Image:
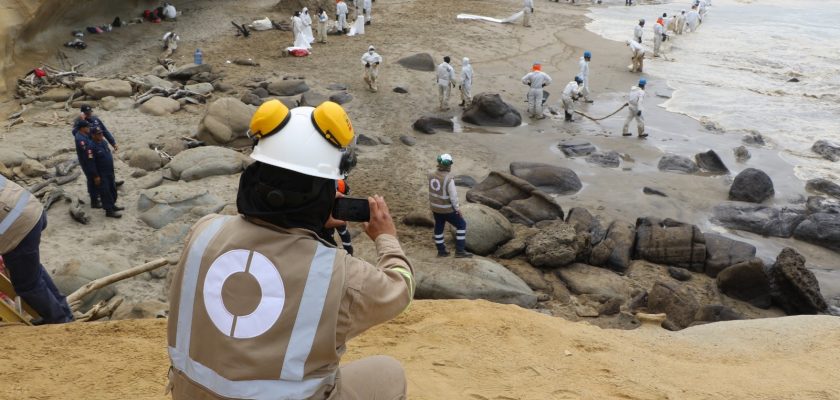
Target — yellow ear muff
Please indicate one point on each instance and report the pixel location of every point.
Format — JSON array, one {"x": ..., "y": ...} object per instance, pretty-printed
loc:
[
  {"x": 269, "y": 118},
  {"x": 332, "y": 122}
]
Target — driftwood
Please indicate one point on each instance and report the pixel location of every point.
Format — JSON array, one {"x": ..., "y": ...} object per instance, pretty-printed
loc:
[
  {"x": 55, "y": 195},
  {"x": 75, "y": 298},
  {"x": 246, "y": 61},
  {"x": 241, "y": 29},
  {"x": 65, "y": 167},
  {"x": 38, "y": 186},
  {"x": 174, "y": 93},
  {"x": 101, "y": 310},
  {"x": 77, "y": 212},
  {"x": 63, "y": 180}
]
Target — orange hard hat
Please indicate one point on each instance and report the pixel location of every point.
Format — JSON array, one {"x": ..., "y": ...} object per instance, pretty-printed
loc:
[
  {"x": 536, "y": 67},
  {"x": 341, "y": 186}
]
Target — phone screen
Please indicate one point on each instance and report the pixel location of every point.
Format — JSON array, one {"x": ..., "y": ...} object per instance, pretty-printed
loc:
[{"x": 351, "y": 209}]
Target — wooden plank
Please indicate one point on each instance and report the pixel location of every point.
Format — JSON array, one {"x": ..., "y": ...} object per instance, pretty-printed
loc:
[
  {"x": 7, "y": 288},
  {"x": 8, "y": 314}
]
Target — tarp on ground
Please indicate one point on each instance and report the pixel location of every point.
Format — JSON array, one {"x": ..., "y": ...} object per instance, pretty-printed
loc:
[{"x": 507, "y": 20}]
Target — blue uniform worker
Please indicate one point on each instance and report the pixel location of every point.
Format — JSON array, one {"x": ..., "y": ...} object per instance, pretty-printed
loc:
[
  {"x": 103, "y": 164},
  {"x": 95, "y": 124},
  {"x": 84, "y": 151}
]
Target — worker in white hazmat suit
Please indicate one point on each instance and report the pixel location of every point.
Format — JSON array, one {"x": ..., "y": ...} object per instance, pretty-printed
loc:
[
  {"x": 680, "y": 23},
  {"x": 570, "y": 94},
  {"x": 341, "y": 15},
  {"x": 445, "y": 79},
  {"x": 368, "y": 4},
  {"x": 307, "y": 25},
  {"x": 322, "y": 25},
  {"x": 466, "y": 83},
  {"x": 638, "y": 31},
  {"x": 634, "y": 100},
  {"x": 528, "y": 9},
  {"x": 692, "y": 19},
  {"x": 536, "y": 81},
  {"x": 583, "y": 73},
  {"x": 371, "y": 60},
  {"x": 658, "y": 36},
  {"x": 297, "y": 30},
  {"x": 637, "y": 56}
]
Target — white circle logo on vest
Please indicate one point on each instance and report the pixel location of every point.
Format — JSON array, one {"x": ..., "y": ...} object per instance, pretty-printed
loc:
[
  {"x": 434, "y": 183},
  {"x": 271, "y": 285}
]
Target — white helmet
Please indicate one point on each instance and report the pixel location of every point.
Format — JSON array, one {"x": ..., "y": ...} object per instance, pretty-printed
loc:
[{"x": 299, "y": 145}]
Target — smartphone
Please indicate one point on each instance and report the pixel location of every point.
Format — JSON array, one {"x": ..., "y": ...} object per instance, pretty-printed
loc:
[{"x": 351, "y": 209}]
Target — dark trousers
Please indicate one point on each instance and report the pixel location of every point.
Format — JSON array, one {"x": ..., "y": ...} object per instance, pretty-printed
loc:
[
  {"x": 93, "y": 190},
  {"x": 460, "y": 225},
  {"x": 108, "y": 191},
  {"x": 32, "y": 282}
]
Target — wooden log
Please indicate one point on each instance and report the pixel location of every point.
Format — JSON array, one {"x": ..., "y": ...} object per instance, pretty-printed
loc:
[
  {"x": 107, "y": 280},
  {"x": 63, "y": 180}
]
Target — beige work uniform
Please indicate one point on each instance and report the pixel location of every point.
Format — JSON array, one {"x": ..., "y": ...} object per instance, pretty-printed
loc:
[
  {"x": 262, "y": 312},
  {"x": 19, "y": 212},
  {"x": 439, "y": 199}
]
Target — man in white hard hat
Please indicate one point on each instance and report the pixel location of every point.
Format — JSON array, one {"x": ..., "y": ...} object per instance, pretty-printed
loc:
[{"x": 260, "y": 306}]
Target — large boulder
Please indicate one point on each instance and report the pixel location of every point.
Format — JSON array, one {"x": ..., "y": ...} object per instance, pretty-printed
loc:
[
  {"x": 488, "y": 109},
  {"x": 828, "y": 150},
  {"x": 798, "y": 291},
  {"x": 676, "y": 163},
  {"x": 751, "y": 185},
  {"x": 226, "y": 122},
  {"x": 670, "y": 242},
  {"x": 58, "y": 94},
  {"x": 711, "y": 162},
  {"x": 822, "y": 229},
  {"x": 203, "y": 88},
  {"x": 554, "y": 246},
  {"x": 721, "y": 252},
  {"x": 162, "y": 205},
  {"x": 155, "y": 81},
  {"x": 145, "y": 159},
  {"x": 108, "y": 87},
  {"x": 202, "y": 162},
  {"x": 160, "y": 106},
  {"x": 430, "y": 125},
  {"x": 71, "y": 276},
  {"x": 615, "y": 251},
  {"x": 548, "y": 178},
  {"x": 11, "y": 157},
  {"x": 476, "y": 278},
  {"x": 586, "y": 279},
  {"x": 287, "y": 87},
  {"x": 675, "y": 301},
  {"x": 418, "y": 62},
  {"x": 515, "y": 198},
  {"x": 823, "y": 186},
  {"x": 486, "y": 228},
  {"x": 755, "y": 218},
  {"x": 186, "y": 71},
  {"x": 746, "y": 281}
]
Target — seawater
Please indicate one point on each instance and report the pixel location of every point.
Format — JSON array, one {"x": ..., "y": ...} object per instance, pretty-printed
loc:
[{"x": 734, "y": 70}]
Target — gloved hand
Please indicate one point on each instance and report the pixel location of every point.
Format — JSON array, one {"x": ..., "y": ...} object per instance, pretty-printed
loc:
[
  {"x": 367, "y": 65},
  {"x": 376, "y": 63},
  {"x": 532, "y": 10},
  {"x": 639, "y": 113}
]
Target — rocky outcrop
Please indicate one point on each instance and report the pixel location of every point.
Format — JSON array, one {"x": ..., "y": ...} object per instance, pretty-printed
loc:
[
  {"x": 515, "y": 198},
  {"x": 615, "y": 251},
  {"x": 676, "y": 163},
  {"x": 711, "y": 162},
  {"x": 554, "y": 246},
  {"x": 676, "y": 302},
  {"x": 755, "y": 218},
  {"x": 824, "y": 186},
  {"x": 430, "y": 125},
  {"x": 418, "y": 62},
  {"x": 202, "y": 162},
  {"x": 798, "y": 289},
  {"x": 477, "y": 278},
  {"x": 751, "y": 185},
  {"x": 548, "y": 178},
  {"x": 828, "y": 150},
  {"x": 162, "y": 205},
  {"x": 722, "y": 252},
  {"x": 486, "y": 228},
  {"x": 670, "y": 242},
  {"x": 746, "y": 281},
  {"x": 226, "y": 122},
  {"x": 822, "y": 229},
  {"x": 488, "y": 109}
]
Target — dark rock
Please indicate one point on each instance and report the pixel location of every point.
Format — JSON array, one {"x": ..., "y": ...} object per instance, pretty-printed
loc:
[
  {"x": 823, "y": 186},
  {"x": 716, "y": 313},
  {"x": 576, "y": 147},
  {"x": 679, "y": 274},
  {"x": 822, "y": 229},
  {"x": 828, "y": 150},
  {"x": 746, "y": 281},
  {"x": 554, "y": 246},
  {"x": 742, "y": 154},
  {"x": 418, "y": 62},
  {"x": 428, "y": 125},
  {"x": 223, "y": 87},
  {"x": 819, "y": 204},
  {"x": 654, "y": 192},
  {"x": 385, "y": 140},
  {"x": 763, "y": 220},
  {"x": 610, "y": 307},
  {"x": 341, "y": 98},
  {"x": 614, "y": 252},
  {"x": 675, "y": 163},
  {"x": 548, "y": 178},
  {"x": 289, "y": 87},
  {"x": 289, "y": 102},
  {"x": 336, "y": 86},
  {"x": 585, "y": 222},
  {"x": 798, "y": 289},
  {"x": 538, "y": 207},
  {"x": 261, "y": 92},
  {"x": 794, "y": 80},
  {"x": 251, "y": 99},
  {"x": 400, "y": 89},
  {"x": 418, "y": 218},
  {"x": 488, "y": 109},
  {"x": 465, "y": 181},
  {"x": 364, "y": 140},
  {"x": 476, "y": 278},
  {"x": 751, "y": 185},
  {"x": 517, "y": 199},
  {"x": 408, "y": 140},
  {"x": 721, "y": 252},
  {"x": 754, "y": 139},
  {"x": 204, "y": 77},
  {"x": 610, "y": 159},
  {"x": 675, "y": 301},
  {"x": 711, "y": 162},
  {"x": 311, "y": 99},
  {"x": 672, "y": 243},
  {"x": 187, "y": 71}
]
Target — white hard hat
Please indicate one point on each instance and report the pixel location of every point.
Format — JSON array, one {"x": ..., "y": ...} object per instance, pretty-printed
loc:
[{"x": 299, "y": 147}]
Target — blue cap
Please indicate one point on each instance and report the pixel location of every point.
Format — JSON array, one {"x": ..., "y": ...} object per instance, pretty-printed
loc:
[
  {"x": 587, "y": 54},
  {"x": 642, "y": 82}
]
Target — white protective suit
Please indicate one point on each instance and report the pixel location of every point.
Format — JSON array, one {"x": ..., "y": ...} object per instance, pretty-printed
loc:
[
  {"x": 322, "y": 27},
  {"x": 368, "y": 4},
  {"x": 371, "y": 61},
  {"x": 466, "y": 82},
  {"x": 658, "y": 31},
  {"x": 584, "y": 74},
  {"x": 702, "y": 10},
  {"x": 536, "y": 80},
  {"x": 637, "y": 33},
  {"x": 528, "y": 9},
  {"x": 169, "y": 12},
  {"x": 297, "y": 30},
  {"x": 307, "y": 25},
  {"x": 680, "y": 23},
  {"x": 634, "y": 99},
  {"x": 692, "y": 19},
  {"x": 341, "y": 14},
  {"x": 571, "y": 92},
  {"x": 637, "y": 57},
  {"x": 445, "y": 79}
]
